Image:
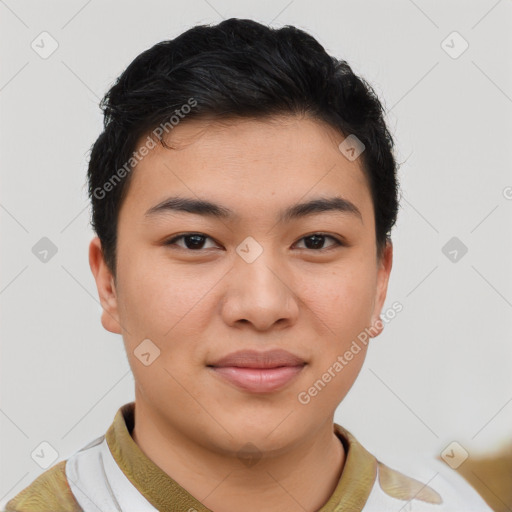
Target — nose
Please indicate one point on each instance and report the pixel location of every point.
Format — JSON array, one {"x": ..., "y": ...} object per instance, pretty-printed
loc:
[{"x": 260, "y": 293}]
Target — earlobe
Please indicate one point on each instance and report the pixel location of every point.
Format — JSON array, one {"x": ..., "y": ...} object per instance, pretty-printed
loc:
[
  {"x": 376, "y": 328},
  {"x": 106, "y": 288}
]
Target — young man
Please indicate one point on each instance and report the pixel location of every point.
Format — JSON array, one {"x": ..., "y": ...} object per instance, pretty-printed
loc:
[{"x": 243, "y": 192}]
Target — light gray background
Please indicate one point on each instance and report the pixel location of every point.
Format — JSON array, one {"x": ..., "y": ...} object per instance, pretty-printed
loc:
[{"x": 441, "y": 370}]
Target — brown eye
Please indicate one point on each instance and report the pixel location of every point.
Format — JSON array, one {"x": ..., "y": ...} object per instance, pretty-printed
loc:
[
  {"x": 316, "y": 241},
  {"x": 196, "y": 242},
  {"x": 192, "y": 241}
]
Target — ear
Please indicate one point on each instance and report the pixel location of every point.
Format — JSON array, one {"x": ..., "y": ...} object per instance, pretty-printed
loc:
[
  {"x": 385, "y": 263},
  {"x": 106, "y": 287}
]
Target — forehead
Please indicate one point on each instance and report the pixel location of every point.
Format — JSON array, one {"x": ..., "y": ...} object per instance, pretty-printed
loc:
[{"x": 248, "y": 164}]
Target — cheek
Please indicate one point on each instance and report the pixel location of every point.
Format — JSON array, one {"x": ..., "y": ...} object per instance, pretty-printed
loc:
[
  {"x": 342, "y": 309},
  {"x": 342, "y": 301},
  {"x": 162, "y": 300},
  {"x": 162, "y": 304}
]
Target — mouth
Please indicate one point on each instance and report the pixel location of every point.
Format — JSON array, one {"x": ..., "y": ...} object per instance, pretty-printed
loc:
[
  {"x": 258, "y": 380},
  {"x": 258, "y": 372}
]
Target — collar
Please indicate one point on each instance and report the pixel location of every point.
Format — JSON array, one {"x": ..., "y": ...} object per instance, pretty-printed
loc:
[{"x": 351, "y": 493}]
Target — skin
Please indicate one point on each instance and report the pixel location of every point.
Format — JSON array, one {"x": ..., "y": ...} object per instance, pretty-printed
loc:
[{"x": 198, "y": 305}]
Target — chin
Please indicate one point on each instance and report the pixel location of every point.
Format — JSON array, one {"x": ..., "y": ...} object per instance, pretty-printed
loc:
[{"x": 270, "y": 434}]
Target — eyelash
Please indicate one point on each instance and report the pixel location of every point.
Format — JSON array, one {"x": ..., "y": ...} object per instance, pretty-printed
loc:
[{"x": 172, "y": 241}]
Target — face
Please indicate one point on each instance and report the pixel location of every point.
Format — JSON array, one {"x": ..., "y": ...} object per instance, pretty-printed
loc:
[{"x": 200, "y": 285}]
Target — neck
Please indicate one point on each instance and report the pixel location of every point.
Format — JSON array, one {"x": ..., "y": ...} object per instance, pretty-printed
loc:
[{"x": 301, "y": 478}]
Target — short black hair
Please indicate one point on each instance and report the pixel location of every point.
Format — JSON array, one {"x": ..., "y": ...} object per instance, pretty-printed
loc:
[{"x": 237, "y": 68}]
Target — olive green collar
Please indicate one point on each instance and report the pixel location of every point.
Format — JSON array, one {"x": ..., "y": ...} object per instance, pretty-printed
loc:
[{"x": 351, "y": 492}]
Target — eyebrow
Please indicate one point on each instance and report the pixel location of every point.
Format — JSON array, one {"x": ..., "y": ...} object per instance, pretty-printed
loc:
[{"x": 210, "y": 209}]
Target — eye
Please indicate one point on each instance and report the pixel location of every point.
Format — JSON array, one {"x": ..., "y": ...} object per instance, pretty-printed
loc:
[
  {"x": 192, "y": 241},
  {"x": 316, "y": 241},
  {"x": 196, "y": 241}
]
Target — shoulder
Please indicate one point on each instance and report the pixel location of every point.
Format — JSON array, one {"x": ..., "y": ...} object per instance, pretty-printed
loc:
[
  {"x": 49, "y": 491},
  {"x": 429, "y": 485},
  {"x": 443, "y": 491}
]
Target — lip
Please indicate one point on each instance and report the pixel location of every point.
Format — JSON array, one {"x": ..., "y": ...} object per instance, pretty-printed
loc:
[
  {"x": 257, "y": 359},
  {"x": 259, "y": 372}
]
